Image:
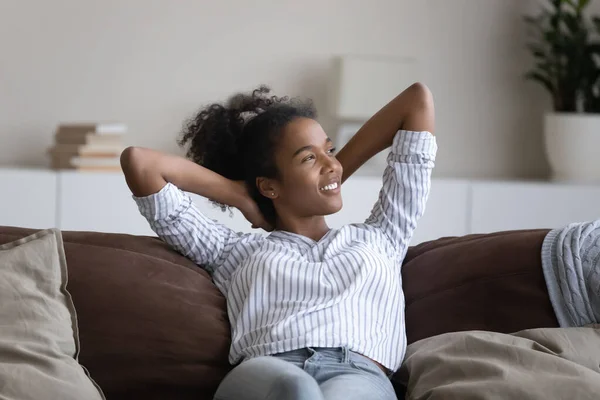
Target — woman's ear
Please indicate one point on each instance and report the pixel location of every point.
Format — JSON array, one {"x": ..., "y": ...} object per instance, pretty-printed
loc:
[{"x": 267, "y": 187}]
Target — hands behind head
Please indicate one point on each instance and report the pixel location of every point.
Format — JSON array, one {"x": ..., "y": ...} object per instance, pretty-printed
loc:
[{"x": 250, "y": 210}]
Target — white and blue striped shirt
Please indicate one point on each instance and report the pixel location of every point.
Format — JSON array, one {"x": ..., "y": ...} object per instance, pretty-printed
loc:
[{"x": 285, "y": 291}]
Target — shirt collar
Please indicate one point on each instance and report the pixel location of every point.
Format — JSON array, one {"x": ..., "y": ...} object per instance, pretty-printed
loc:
[{"x": 297, "y": 238}]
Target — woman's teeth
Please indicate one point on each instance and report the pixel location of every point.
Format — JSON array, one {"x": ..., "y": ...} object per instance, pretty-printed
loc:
[{"x": 330, "y": 187}]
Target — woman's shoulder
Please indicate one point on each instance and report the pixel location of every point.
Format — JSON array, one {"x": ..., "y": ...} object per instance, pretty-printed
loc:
[
  {"x": 251, "y": 237},
  {"x": 364, "y": 236},
  {"x": 360, "y": 230}
]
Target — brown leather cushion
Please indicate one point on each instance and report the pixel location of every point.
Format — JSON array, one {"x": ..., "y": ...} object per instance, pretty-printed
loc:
[
  {"x": 152, "y": 325},
  {"x": 490, "y": 282}
]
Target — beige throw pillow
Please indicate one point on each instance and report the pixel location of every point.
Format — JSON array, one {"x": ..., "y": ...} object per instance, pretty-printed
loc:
[
  {"x": 39, "y": 341},
  {"x": 535, "y": 364}
]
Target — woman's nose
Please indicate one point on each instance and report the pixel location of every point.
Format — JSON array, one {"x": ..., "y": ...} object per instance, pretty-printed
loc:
[{"x": 331, "y": 164}]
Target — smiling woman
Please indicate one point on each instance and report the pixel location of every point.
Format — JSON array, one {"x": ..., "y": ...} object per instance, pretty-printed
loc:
[{"x": 315, "y": 313}]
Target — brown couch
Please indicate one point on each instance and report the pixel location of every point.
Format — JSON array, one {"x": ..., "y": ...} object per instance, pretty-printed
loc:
[{"x": 153, "y": 325}]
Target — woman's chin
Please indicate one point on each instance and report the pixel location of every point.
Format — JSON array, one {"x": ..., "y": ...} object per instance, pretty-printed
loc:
[{"x": 334, "y": 206}]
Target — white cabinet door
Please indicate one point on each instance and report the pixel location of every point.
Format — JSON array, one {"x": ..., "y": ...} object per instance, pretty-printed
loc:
[
  {"x": 97, "y": 201},
  {"x": 28, "y": 198},
  {"x": 507, "y": 206},
  {"x": 446, "y": 213}
]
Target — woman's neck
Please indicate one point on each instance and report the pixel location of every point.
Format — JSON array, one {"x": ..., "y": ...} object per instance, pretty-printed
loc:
[{"x": 314, "y": 227}]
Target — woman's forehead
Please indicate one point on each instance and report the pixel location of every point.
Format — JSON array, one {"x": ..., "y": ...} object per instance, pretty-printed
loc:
[{"x": 303, "y": 132}]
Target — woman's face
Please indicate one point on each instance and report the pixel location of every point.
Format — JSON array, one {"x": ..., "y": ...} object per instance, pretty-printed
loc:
[{"x": 310, "y": 175}]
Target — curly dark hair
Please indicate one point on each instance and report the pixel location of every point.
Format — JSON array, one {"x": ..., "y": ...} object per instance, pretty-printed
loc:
[{"x": 238, "y": 139}]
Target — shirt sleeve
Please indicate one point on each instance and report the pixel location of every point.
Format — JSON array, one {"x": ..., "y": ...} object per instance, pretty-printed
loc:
[
  {"x": 176, "y": 220},
  {"x": 406, "y": 185}
]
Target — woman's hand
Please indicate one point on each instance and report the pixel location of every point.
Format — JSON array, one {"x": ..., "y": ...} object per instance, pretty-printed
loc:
[{"x": 249, "y": 208}]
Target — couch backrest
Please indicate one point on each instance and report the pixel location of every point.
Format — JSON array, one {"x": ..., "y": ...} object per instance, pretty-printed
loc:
[{"x": 490, "y": 282}]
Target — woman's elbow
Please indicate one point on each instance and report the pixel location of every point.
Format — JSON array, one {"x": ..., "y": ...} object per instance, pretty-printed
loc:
[
  {"x": 141, "y": 168},
  {"x": 131, "y": 158},
  {"x": 423, "y": 97},
  {"x": 134, "y": 162},
  {"x": 421, "y": 113}
]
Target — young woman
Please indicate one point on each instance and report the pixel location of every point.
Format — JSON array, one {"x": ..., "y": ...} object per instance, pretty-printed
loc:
[{"x": 316, "y": 313}]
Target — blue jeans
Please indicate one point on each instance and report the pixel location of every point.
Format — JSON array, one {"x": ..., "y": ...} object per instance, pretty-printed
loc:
[{"x": 307, "y": 374}]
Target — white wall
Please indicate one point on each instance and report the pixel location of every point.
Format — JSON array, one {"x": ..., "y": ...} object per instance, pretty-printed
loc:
[{"x": 152, "y": 63}]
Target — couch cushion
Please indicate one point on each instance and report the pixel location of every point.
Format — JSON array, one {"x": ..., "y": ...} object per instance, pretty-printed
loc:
[
  {"x": 39, "y": 343},
  {"x": 492, "y": 282},
  {"x": 152, "y": 324},
  {"x": 535, "y": 364}
]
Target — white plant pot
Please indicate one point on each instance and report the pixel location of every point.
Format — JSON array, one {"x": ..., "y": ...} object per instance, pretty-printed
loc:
[{"x": 573, "y": 146}]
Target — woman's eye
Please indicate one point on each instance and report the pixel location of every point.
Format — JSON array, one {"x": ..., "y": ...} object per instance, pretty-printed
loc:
[
  {"x": 332, "y": 150},
  {"x": 309, "y": 158}
]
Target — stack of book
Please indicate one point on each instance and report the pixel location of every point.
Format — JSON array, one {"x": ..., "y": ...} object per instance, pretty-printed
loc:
[{"x": 88, "y": 147}]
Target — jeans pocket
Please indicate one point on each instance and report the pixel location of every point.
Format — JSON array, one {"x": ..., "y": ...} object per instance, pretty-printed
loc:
[{"x": 364, "y": 364}]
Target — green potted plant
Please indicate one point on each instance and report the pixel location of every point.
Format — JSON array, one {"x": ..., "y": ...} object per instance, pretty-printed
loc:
[{"x": 566, "y": 50}]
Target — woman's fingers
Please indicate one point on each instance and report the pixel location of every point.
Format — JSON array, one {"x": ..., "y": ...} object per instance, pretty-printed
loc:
[{"x": 263, "y": 224}]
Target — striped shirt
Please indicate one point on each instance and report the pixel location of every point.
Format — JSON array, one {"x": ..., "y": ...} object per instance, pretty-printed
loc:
[{"x": 285, "y": 291}]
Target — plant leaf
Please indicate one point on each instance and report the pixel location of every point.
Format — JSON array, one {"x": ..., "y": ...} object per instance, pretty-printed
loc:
[
  {"x": 544, "y": 80},
  {"x": 546, "y": 67},
  {"x": 538, "y": 51},
  {"x": 572, "y": 23},
  {"x": 583, "y": 4}
]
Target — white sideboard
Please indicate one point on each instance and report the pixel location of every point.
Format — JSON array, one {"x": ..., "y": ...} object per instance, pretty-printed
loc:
[{"x": 102, "y": 202}]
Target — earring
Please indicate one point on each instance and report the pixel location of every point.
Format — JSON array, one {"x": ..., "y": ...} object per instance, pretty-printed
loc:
[{"x": 272, "y": 194}]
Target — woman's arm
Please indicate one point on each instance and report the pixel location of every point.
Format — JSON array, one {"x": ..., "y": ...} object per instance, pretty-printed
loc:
[
  {"x": 148, "y": 171},
  {"x": 411, "y": 110},
  {"x": 405, "y": 124}
]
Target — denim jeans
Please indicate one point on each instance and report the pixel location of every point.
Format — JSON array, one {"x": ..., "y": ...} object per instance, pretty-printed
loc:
[{"x": 307, "y": 374}]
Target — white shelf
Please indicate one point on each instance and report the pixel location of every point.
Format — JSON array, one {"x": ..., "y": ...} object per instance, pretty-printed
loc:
[{"x": 102, "y": 202}]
